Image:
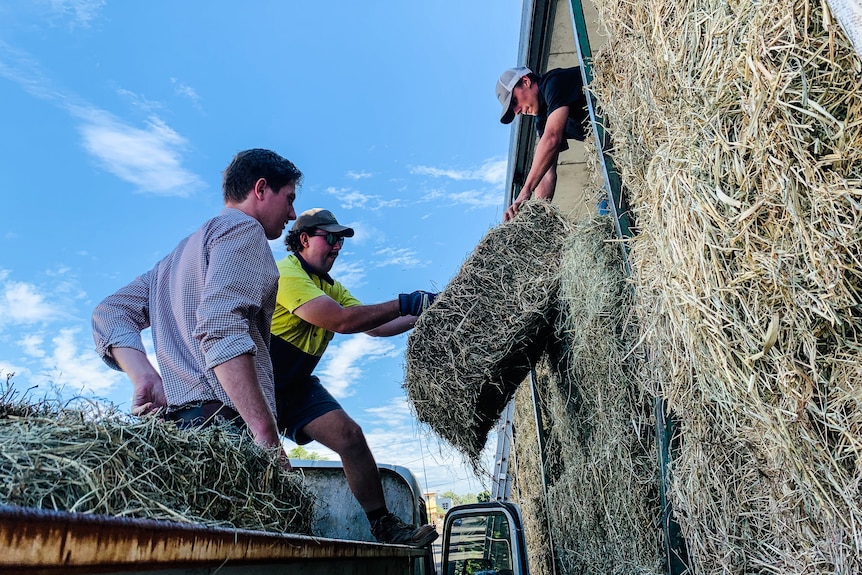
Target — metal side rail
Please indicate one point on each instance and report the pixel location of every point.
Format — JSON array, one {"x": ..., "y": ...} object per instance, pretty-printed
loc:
[{"x": 35, "y": 541}]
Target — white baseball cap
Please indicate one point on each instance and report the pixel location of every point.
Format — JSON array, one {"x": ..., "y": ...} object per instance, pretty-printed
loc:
[{"x": 507, "y": 82}]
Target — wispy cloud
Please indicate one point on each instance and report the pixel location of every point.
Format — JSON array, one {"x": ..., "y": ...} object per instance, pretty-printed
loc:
[
  {"x": 491, "y": 172},
  {"x": 398, "y": 257},
  {"x": 149, "y": 157},
  {"x": 476, "y": 198},
  {"x": 350, "y": 274},
  {"x": 395, "y": 439},
  {"x": 472, "y": 198},
  {"x": 80, "y": 13},
  {"x": 343, "y": 364},
  {"x": 188, "y": 92},
  {"x": 358, "y": 175},
  {"x": 366, "y": 233},
  {"x": 140, "y": 102},
  {"x": 349, "y": 199}
]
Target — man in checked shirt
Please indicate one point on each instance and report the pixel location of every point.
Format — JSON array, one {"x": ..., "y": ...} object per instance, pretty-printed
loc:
[{"x": 210, "y": 304}]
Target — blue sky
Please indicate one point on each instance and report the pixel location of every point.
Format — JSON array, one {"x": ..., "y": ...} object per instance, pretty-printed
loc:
[{"x": 119, "y": 117}]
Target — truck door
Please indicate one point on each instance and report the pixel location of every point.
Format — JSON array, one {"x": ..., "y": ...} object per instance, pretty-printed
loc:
[{"x": 484, "y": 539}]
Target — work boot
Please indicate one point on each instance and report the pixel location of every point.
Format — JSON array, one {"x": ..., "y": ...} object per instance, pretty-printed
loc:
[{"x": 390, "y": 529}]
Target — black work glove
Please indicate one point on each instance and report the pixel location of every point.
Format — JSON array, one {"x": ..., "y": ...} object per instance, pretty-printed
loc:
[{"x": 415, "y": 303}]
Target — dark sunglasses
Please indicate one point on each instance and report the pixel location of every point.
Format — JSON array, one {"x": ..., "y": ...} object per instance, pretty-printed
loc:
[{"x": 331, "y": 238}]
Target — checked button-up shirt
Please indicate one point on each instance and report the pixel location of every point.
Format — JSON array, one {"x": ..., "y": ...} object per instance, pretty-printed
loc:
[{"x": 209, "y": 301}]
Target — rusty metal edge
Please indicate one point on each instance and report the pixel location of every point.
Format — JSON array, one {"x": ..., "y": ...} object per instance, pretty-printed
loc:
[{"x": 37, "y": 541}]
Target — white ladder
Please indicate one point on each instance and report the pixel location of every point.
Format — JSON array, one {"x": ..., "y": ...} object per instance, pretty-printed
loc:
[{"x": 501, "y": 488}]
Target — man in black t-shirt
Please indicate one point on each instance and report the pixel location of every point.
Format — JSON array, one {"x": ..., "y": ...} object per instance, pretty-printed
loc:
[{"x": 557, "y": 101}]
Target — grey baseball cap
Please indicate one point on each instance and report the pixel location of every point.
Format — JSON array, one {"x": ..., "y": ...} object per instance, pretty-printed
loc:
[
  {"x": 507, "y": 82},
  {"x": 322, "y": 219}
]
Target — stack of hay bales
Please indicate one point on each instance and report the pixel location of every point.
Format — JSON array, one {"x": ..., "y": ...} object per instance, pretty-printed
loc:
[
  {"x": 526, "y": 469},
  {"x": 544, "y": 286},
  {"x": 603, "y": 497},
  {"x": 469, "y": 352},
  {"x": 600, "y": 463},
  {"x": 68, "y": 460},
  {"x": 738, "y": 134}
]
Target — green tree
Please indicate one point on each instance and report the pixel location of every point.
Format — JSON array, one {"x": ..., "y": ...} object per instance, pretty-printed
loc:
[
  {"x": 484, "y": 496},
  {"x": 460, "y": 499},
  {"x": 299, "y": 452}
]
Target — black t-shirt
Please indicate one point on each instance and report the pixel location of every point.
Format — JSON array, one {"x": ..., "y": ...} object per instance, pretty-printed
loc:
[{"x": 563, "y": 87}]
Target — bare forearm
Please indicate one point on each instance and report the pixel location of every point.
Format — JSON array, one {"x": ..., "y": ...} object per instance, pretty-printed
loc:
[
  {"x": 149, "y": 393},
  {"x": 545, "y": 157},
  {"x": 327, "y": 313},
  {"x": 134, "y": 363},
  {"x": 238, "y": 377},
  {"x": 395, "y": 327},
  {"x": 548, "y": 185}
]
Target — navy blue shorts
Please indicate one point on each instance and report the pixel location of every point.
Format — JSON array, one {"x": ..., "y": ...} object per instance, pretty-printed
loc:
[{"x": 299, "y": 405}]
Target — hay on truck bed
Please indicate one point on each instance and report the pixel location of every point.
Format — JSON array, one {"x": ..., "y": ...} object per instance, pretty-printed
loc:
[
  {"x": 738, "y": 133},
  {"x": 67, "y": 460},
  {"x": 471, "y": 349}
]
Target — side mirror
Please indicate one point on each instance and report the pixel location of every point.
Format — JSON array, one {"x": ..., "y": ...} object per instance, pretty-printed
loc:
[{"x": 484, "y": 539}]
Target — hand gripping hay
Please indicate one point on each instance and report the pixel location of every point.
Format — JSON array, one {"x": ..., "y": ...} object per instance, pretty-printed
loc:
[{"x": 472, "y": 348}]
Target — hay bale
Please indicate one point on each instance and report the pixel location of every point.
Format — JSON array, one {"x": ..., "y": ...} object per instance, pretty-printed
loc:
[
  {"x": 66, "y": 459},
  {"x": 470, "y": 350},
  {"x": 738, "y": 132}
]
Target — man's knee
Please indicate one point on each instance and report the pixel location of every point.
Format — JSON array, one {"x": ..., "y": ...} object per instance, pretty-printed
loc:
[
  {"x": 353, "y": 435},
  {"x": 337, "y": 431}
]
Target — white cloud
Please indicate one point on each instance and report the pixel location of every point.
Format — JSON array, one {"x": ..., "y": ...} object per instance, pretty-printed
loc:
[
  {"x": 32, "y": 345},
  {"x": 350, "y": 199},
  {"x": 21, "y": 303},
  {"x": 395, "y": 439},
  {"x": 344, "y": 362},
  {"x": 9, "y": 371},
  {"x": 141, "y": 102},
  {"x": 20, "y": 68},
  {"x": 71, "y": 370},
  {"x": 398, "y": 257},
  {"x": 148, "y": 158},
  {"x": 476, "y": 198},
  {"x": 492, "y": 171},
  {"x": 434, "y": 194},
  {"x": 358, "y": 175},
  {"x": 365, "y": 233},
  {"x": 396, "y": 412},
  {"x": 350, "y": 274}
]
